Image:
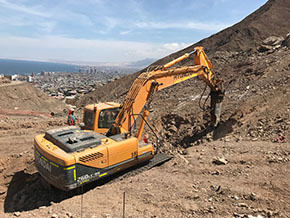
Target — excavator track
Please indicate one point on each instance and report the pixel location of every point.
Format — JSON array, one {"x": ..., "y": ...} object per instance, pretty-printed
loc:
[{"x": 157, "y": 160}]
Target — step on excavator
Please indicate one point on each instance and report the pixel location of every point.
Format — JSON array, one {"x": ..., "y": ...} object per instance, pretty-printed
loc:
[{"x": 110, "y": 139}]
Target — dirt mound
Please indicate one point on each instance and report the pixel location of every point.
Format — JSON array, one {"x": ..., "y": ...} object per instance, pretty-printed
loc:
[
  {"x": 24, "y": 96},
  {"x": 4, "y": 80}
]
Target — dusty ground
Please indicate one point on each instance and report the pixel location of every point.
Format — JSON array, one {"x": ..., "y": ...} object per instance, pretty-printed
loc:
[
  {"x": 241, "y": 169},
  {"x": 253, "y": 179}
]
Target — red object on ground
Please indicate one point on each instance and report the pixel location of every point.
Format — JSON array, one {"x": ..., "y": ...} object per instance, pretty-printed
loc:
[{"x": 280, "y": 139}]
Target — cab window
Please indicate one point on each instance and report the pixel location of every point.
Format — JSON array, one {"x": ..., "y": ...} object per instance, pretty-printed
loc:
[
  {"x": 107, "y": 117},
  {"x": 89, "y": 119}
]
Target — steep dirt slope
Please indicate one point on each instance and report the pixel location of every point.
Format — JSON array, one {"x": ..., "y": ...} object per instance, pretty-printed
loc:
[
  {"x": 250, "y": 78},
  {"x": 247, "y": 35},
  {"x": 269, "y": 20}
]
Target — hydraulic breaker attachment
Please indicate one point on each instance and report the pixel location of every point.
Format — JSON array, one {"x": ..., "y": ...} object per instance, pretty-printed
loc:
[{"x": 216, "y": 98}]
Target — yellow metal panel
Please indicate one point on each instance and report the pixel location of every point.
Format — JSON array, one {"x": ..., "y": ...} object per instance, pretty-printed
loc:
[
  {"x": 145, "y": 149},
  {"x": 52, "y": 152},
  {"x": 94, "y": 157},
  {"x": 123, "y": 150}
]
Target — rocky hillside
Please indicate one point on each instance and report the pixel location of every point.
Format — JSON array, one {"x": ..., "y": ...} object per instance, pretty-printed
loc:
[
  {"x": 253, "y": 59},
  {"x": 245, "y": 36}
]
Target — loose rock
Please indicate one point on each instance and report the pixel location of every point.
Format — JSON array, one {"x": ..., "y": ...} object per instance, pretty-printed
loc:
[
  {"x": 220, "y": 161},
  {"x": 17, "y": 214}
]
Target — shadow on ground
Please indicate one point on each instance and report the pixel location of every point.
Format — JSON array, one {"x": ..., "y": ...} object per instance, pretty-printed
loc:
[
  {"x": 27, "y": 192},
  {"x": 224, "y": 128}
]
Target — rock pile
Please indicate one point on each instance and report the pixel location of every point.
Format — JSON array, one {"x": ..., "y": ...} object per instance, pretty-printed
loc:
[{"x": 274, "y": 42}]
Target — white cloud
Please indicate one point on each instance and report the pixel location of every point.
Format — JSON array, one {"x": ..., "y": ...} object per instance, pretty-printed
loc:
[
  {"x": 22, "y": 8},
  {"x": 110, "y": 23},
  {"x": 71, "y": 49},
  {"x": 126, "y": 32},
  {"x": 97, "y": 19},
  {"x": 14, "y": 21},
  {"x": 47, "y": 26},
  {"x": 20, "y": 21},
  {"x": 207, "y": 26},
  {"x": 174, "y": 46},
  {"x": 136, "y": 7}
]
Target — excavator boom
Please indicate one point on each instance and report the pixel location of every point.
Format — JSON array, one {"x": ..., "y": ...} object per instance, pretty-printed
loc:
[{"x": 150, "y": 82}]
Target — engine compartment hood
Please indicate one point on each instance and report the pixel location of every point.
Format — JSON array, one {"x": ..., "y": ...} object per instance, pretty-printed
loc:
[{"x": 72, "y": 138}]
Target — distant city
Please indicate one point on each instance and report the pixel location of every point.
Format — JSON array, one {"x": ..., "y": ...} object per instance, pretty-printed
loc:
[
  {"x": 66, "y": 81},
  {"x": 63, "y": 81},
  {"x": 67, "y": 86}
]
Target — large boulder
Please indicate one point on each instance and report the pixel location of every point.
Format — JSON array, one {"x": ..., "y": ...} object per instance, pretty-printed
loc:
[
  {"x": 264, "y": 48},
  {"x": 273, "y": 40},
  {"x": 271, "y": 43}
]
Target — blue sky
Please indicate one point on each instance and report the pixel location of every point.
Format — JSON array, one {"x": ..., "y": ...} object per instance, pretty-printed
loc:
[{"x": 111, "y": 30}]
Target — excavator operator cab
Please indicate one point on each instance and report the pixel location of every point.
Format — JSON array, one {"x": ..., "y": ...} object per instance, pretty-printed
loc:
[
  {"x": 107, "y": 117},
  {"x": 100, "y": 117}
]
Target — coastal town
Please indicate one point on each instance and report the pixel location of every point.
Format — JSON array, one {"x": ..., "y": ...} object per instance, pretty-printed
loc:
[{"x": 69, "y": 85}]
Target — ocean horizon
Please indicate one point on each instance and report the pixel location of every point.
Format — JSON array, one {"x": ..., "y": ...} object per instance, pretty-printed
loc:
[{"x": 23, "y": 67}]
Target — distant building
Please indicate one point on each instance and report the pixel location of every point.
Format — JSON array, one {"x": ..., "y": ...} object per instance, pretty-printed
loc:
[
  {"x": 29, "y": 79},
  {"x": 44, "y": 73},
  {"x": 11, "y": 77}
]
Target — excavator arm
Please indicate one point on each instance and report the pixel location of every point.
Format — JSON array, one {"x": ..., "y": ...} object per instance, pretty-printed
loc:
[{"x": 150, "y": 82}]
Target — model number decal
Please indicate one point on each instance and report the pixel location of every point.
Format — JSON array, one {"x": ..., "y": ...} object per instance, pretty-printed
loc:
[{"x": 87, "y": 177}]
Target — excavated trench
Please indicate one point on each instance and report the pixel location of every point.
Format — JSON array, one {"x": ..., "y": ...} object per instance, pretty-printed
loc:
[{"x": 184, "y": 132}]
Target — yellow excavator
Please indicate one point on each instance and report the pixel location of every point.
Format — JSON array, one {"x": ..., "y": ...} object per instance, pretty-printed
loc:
[{"x": 105, "y": 144}]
